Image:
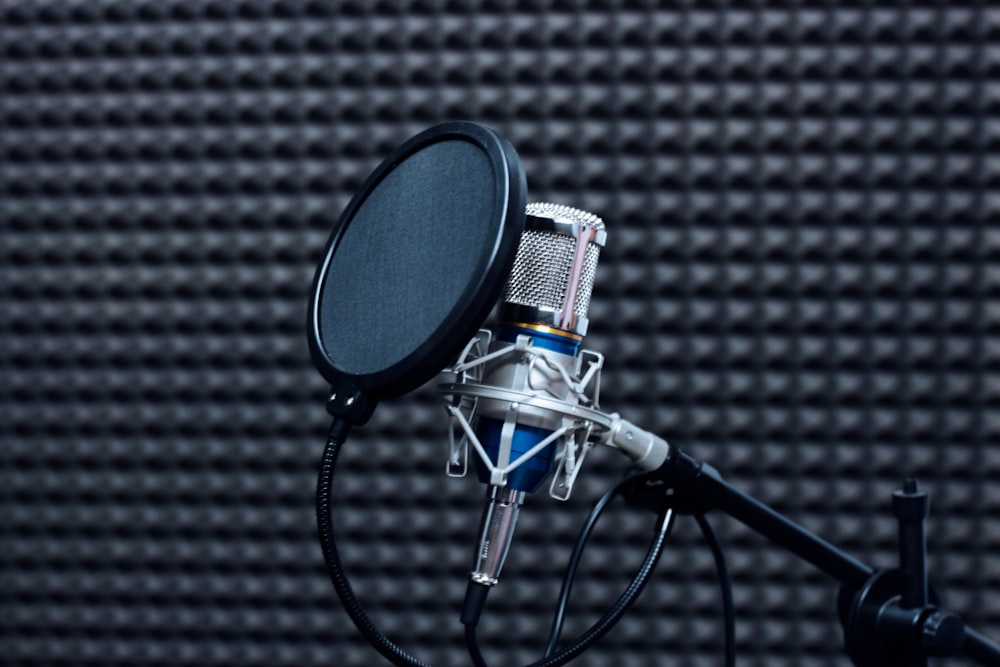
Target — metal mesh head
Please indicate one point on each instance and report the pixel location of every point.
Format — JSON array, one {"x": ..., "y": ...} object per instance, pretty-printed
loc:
[{"x": 544, "y": 266}]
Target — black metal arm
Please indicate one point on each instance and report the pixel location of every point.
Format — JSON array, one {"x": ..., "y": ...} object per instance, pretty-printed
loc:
[{"x": 890, "y": 617}]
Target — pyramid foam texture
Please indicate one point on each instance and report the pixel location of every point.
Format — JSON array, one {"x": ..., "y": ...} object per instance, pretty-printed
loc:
[{"x": 801, "y": 286}]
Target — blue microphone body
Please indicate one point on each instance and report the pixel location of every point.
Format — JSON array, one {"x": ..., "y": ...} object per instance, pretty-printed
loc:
[{"x": 530, "y": 475}]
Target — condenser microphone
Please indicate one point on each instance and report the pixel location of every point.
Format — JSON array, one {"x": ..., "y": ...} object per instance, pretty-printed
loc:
[
  {"x": 546, "y": 300},
  {"x": 534, "y": 353}
]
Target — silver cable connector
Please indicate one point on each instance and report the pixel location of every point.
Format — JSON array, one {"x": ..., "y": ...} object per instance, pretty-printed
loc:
[{"x": 495, "y": 533}]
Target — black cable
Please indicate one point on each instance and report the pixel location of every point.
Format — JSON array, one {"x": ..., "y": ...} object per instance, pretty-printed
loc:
[
  {"x": 574, "y": 562},
  {"x": 472, "y": 609},
  {"x": 473, "y": 645},
  {"x": 324, "y": 521},
  {"x": 665, "y": 525},
  {"x": 726, "y": 582},
  {"x": 624, "y": 602},
  {"x": 476, "y": 595},
  {"x": 395, "y": 654}
]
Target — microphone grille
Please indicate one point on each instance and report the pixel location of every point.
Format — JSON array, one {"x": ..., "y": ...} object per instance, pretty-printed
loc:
[{"x": 546, "y": 264}]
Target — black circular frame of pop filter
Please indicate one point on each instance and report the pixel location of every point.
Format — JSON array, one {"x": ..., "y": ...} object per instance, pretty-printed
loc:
[{"x": 415, "y": 263}]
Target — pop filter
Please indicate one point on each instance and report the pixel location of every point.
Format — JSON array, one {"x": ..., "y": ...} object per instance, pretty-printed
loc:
[{"x": 414, "y": 264}]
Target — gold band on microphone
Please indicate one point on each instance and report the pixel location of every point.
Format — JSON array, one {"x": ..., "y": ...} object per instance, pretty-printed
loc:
[{"x": 542, "y": 328}]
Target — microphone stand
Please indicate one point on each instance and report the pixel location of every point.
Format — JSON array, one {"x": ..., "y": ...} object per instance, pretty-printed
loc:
[{"x": 891, "y": 618}]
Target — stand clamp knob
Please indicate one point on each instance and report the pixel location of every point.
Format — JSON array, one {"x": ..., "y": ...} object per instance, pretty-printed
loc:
[{"x": 942, "y": 633}]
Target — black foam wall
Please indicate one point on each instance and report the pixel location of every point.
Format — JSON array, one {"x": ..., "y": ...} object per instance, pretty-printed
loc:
[{"x": 800, "y": 286}]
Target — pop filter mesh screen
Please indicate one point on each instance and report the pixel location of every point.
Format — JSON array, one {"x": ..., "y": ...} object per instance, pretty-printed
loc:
[
  {"x": 420, "y": 238},
  {"x": 800, "y": 286}
]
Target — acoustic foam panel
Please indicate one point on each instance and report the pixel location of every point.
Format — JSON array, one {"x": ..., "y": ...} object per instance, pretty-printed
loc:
[{"x": 800, "y": 287}]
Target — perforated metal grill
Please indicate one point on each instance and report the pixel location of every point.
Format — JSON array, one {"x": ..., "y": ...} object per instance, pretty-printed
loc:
[
  {"x": 541, "y": 270},
  {"x": 544, "y": 263},
  {"x": 582, "y": 305}
]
